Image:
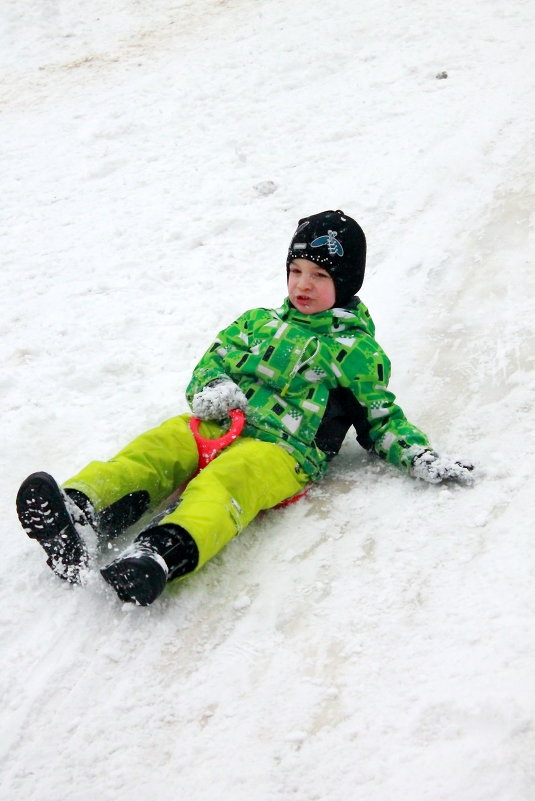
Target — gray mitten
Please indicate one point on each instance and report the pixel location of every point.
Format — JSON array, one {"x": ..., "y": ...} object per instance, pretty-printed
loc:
[
  {"x": 217, "y": 398},
  {"x": 429, "y": 466}
]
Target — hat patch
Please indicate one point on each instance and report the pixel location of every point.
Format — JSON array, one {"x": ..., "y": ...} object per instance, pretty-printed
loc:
[
  {"x": 300, "y": 227},
  {"x": 334, "y": 246}
]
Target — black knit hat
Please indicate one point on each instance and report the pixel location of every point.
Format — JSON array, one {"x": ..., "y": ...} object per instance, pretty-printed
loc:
[{"x": 337, "y": 243}]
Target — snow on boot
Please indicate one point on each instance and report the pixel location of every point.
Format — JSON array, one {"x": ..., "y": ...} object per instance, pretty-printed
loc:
[
  {"x": 157, "y": 555},
  {"x": 138, "y": 575},
  {"x": 49, "y": 516}
]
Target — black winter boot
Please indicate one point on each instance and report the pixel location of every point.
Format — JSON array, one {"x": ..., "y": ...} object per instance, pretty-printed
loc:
[
  {"x": 48, "y": 515},
  {"x": 156, "y": 556}
]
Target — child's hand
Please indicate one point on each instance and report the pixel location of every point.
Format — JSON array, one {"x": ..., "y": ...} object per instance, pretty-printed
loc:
[
  {"x": 217, "y": 398},
  {"x": 429, "y": 466}
]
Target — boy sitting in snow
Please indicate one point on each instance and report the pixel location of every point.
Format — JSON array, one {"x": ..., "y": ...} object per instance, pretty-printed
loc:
[{"x": 304, "y": 374}]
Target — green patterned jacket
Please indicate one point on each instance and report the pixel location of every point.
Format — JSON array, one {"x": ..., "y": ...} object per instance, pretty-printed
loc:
[{"x": 307, "y": 379}]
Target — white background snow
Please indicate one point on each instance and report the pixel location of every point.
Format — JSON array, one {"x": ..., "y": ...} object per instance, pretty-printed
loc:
[{"x": 375, "y": 641}]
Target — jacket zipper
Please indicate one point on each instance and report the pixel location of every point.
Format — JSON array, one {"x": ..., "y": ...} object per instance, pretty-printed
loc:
[{"x": 301, "y": 362}]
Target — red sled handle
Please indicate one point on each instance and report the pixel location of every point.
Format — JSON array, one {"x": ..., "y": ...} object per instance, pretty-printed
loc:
[{"x": 209, "y": 448}]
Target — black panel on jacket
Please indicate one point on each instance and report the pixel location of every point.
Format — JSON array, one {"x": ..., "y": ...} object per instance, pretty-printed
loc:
[{"x": 343, "y": 411}]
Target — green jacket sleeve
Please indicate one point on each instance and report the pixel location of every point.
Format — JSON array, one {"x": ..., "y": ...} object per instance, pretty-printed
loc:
[
  {"x": 384, "y": 426},
  {"x": 215, "y": 363}
]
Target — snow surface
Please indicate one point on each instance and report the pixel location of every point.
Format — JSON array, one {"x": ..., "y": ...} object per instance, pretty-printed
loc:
[{"x": 374, "y": 641}]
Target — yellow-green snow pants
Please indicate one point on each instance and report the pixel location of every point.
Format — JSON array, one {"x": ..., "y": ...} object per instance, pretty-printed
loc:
[{"x": 248, "y": 476}]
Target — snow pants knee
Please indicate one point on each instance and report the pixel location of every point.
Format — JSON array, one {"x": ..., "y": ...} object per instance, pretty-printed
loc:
[{"x": 247, "y": 477}]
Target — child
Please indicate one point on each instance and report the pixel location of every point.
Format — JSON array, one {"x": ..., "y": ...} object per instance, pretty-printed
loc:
[{"x": 303, "y": 374}]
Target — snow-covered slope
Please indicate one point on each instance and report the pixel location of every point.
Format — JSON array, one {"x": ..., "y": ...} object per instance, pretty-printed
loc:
[{"x": 376, "y": 640}]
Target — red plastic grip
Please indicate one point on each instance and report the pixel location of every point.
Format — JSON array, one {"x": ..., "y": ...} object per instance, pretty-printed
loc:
[{"x": 209, "y": 448}]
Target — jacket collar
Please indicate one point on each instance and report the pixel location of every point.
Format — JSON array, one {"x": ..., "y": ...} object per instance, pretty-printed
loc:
[{"x": 353, "y": 317}]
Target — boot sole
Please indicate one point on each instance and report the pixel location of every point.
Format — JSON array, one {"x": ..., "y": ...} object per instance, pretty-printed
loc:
[{"x": 44, "y": 517}]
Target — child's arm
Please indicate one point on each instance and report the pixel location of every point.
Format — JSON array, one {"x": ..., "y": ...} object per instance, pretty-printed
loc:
[
  {"x": 212, "y": 393},
  {"x": 384, "y": 425}
]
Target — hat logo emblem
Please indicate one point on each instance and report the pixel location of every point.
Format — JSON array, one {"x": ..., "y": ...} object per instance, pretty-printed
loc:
[{"x": 334, "y": 246}]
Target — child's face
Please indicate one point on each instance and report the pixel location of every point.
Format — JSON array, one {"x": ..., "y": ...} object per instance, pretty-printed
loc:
[{"x": 310, "y": 287}]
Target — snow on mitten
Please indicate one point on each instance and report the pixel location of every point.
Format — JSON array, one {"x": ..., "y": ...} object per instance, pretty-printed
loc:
[
  {"x": 217, "y": 398},
  {"x": 429, "y": 466}
]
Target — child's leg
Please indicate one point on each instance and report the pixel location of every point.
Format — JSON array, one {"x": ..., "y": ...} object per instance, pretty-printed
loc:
[
  {"x": 106, "y": 497},
  {"x": 141, "y": 475},
  {"x": 226, "y": 496},
  {"x": 245, "y": 478}
]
